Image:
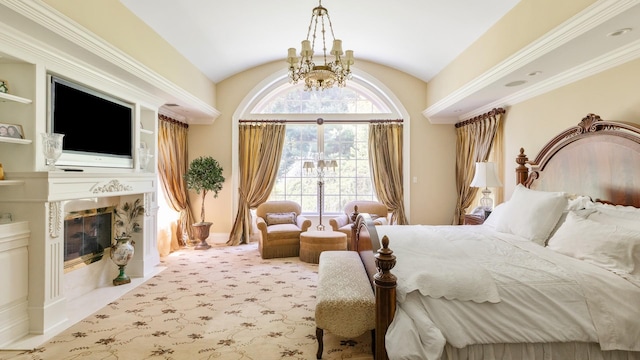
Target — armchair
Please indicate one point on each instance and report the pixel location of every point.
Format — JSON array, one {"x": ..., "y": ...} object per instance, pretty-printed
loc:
[
  {"x": 343, "y": 222},
  {"x": 280, "y": 225}
]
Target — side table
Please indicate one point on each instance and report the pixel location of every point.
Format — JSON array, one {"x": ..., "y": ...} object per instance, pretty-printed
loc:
[
  {"x": 470, "y": 219},
  {"x": 312, "y": 243}
]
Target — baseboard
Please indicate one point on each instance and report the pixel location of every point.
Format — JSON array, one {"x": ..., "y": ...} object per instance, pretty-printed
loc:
[{"x": 218, "y": 238}]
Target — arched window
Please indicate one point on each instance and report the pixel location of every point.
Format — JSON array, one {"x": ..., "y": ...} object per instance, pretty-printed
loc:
[
  {"x": 287, "y": 99},
  {"x": 340, "y": 136}
]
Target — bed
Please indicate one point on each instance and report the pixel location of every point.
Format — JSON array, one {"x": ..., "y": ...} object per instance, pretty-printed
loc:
[{"x": 553, "y": 273}]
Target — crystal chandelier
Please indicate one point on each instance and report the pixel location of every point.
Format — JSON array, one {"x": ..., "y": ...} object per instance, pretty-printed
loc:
[{"x": 320, "y": 77}]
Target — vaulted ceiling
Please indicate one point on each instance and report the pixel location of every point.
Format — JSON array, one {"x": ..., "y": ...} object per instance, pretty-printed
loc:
[
  {"x": 419, "y": 37},
  {"x": 223, "y": 38}
]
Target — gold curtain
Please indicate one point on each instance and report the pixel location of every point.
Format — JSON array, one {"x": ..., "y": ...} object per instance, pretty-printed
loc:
[
  {"x": 474, "y": 141},
  {"x": 260, "y": 152},
  {"x": 172, "y": 165},
  {"x": 385, "y": 160},
  {"x": 497, "y": 156}
]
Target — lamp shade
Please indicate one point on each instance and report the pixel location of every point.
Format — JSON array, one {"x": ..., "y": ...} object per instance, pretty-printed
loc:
[
  {"x": 486, "y": 175},
  {"x": 308, "y": 165}
]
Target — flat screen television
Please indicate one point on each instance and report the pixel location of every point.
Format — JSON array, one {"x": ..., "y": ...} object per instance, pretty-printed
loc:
[{"x": 98, "y": 128}]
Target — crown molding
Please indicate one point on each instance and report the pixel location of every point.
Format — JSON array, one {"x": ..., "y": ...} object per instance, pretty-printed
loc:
[
  {"x": 31, "y": 49},
  {"x": 597, "y": 65},
  {"x": 51, "y": 19},
  {"x": 594, "y": 15}
]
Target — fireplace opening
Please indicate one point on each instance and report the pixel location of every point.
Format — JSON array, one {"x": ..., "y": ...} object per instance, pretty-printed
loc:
[{"x": 87, "y": 234}]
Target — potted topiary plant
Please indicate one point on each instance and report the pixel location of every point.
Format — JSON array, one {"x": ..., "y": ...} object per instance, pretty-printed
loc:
[{"x": 203, "y": 176}]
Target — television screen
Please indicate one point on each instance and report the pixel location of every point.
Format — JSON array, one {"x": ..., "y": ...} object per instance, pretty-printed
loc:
[{"x": 97, "y": 128}]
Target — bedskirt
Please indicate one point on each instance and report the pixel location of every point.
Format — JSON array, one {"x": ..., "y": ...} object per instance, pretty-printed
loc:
[{"x": 541, "y": 351}]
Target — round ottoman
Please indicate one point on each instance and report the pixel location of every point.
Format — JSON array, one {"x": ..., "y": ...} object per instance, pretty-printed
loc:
[{"x": 312, "y": 243}]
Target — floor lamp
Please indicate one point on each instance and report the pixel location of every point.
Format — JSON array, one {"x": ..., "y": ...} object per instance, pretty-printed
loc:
[
  {"x": 321, "y": 166},
  {"x": 486, "y": 176}
]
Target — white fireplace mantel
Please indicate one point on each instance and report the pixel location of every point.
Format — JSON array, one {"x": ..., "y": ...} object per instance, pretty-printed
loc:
[
  {"x": 39, "y": 200},
  {"x": 66, "y": 185}
]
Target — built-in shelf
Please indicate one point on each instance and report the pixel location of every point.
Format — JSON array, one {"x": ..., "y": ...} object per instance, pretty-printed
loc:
[
  {"x": 145, "y": 131},
  {"x": 14, "y": 140},
  {"x": 9, "y": 97},
  {"x": 11, "y": 182}
]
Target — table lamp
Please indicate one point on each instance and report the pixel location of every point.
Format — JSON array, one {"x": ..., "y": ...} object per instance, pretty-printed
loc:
[{"x": 486, "y": 176}]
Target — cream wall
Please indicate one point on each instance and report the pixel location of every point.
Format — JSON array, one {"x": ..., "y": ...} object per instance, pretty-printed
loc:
[
  {"x": 612, "y": 94},
  {"x": 431, "y": 198}
]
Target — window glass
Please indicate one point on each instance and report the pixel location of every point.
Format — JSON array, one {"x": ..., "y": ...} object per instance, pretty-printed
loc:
[
  {"x": 350, "y": 180},
  {"x": 348, "y": 100}
]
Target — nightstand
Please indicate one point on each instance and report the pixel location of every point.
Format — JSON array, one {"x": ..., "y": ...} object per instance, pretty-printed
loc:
[{"x": 470, "y": 219}]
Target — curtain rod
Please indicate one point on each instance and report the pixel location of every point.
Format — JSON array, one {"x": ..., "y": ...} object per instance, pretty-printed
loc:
[
  {"x": 492, "y": 113},
  {"x": 321, "y": 121},
  {"x": 172, "y": 120}
]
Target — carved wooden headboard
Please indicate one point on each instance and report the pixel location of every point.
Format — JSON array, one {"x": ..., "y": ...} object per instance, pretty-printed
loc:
[{"x": 598, "y": 158}]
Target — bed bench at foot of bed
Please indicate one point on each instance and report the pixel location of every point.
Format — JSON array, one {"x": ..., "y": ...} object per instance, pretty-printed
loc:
[{"x": 345, "y": 301}]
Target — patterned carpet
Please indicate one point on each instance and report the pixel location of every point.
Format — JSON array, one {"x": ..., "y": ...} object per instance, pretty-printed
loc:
[{"x": 221, "y": 303}]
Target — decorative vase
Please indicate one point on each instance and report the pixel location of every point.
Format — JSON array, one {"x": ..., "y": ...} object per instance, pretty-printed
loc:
[
  {"x": 201, "y": 230},
  {"x": 145, "y": 156},
  {"x": 121, "y": 252},
  {"x": 52, "y": 149}
]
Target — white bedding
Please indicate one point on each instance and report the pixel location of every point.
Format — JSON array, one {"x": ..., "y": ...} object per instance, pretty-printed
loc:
[{"x": 544, "y": 297}]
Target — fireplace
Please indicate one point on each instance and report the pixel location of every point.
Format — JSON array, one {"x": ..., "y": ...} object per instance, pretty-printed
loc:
[
  {"x": 63, "y": 274},
  {"x": 87, "y": 234}
]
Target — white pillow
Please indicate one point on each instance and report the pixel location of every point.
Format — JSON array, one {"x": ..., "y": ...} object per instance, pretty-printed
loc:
[
  {"x": 627, "y": 212},
  {"x": 580, "y": 211},
  {"x": 604, "y": 218},
  {"x": 612, "y": 247},
  {"x": 495, "y": 215},
  {"x": 532, "y": 214}
]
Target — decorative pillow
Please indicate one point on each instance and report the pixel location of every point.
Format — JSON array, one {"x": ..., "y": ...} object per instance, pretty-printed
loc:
[
  {"x": 611, "y": 247},
  {"x": 532, "y": 214},
  {"x": 280, "y": 218}
]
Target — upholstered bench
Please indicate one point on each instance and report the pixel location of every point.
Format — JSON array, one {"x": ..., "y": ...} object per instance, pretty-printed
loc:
[{"x": 345, "y": 301}]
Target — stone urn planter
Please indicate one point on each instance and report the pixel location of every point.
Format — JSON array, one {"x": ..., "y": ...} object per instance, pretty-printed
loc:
[{"x": 201, "y": 232}]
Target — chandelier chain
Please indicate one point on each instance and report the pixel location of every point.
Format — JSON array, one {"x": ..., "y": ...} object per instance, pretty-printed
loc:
[{"x": 324, "y": 41}]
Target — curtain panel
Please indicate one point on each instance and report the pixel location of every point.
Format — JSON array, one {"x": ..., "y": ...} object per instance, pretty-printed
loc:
[
  {"x": 260, "y": 153},
  {"x": 474, "y": 141},
  {"x": 172, "y": 166},
  {"x": 385, "y": 160}
]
